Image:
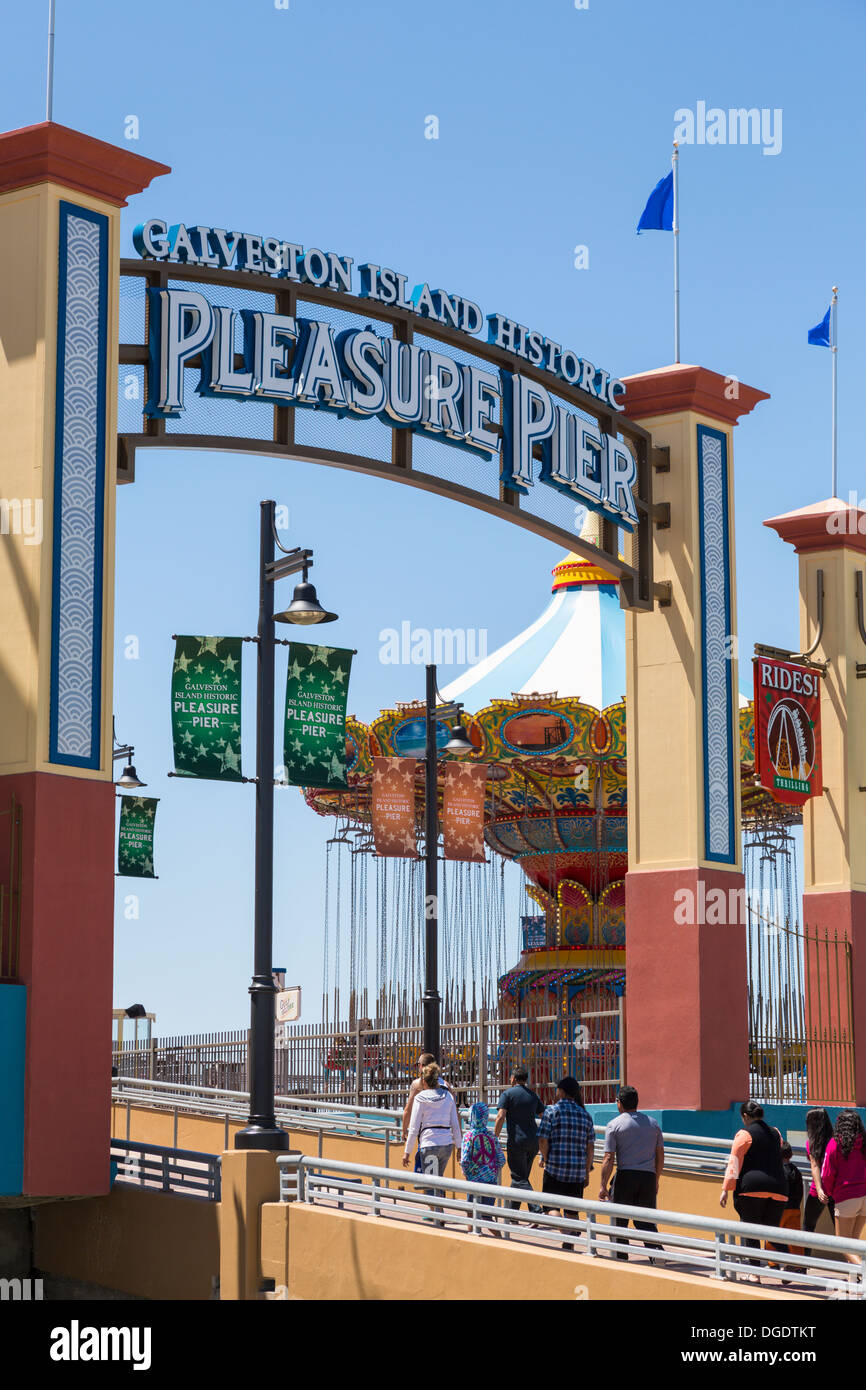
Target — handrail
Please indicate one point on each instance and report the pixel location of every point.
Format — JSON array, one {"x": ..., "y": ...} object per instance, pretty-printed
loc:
[
  {"x": 700, "y": 1155},
  {"x": 691, "y": 1220},
  {"x": 683, "y": 1152},
  {"x": 190, "y": 1172},
  {"x": 381, "y": 1192},
  {"x": 121, "y": 1083}
]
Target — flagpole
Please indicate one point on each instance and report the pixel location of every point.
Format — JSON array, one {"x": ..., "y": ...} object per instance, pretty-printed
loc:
[
  {"x": 676, "y": 231},
  {"x": 835, "y": 351},
  {"x": 49, "y": 86}
]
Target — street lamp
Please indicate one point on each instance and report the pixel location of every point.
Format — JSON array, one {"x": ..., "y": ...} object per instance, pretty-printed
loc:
[
  {"x": 262, "y": 1131},
  {"x": 458, "y": 743},
  {"x": 128, "y": 778}
]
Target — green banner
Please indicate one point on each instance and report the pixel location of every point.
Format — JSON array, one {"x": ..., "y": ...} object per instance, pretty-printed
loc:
[
  {"x": 206, "y": 707},
  {"x": 314, "y": 747},
  {"x": 135, "y": 841}
]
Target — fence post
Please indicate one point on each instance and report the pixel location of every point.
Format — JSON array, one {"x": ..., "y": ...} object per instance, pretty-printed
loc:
[
  {"x": 622, "y": 1048},
  {"x": 482, "y": 1055},
  {"x": 151, "y": 1060},
  {"x": 359, "y": 1060}
]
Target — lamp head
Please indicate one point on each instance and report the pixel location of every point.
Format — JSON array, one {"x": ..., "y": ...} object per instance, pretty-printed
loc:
[
  {"x": 305, "y": 609},
  {"x": 129, "y": 779},
  {"x": 459, "y": 742}
]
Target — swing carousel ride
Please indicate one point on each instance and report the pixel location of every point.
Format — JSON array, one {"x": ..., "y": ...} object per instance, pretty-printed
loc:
[{"x": 549, "y": 724}]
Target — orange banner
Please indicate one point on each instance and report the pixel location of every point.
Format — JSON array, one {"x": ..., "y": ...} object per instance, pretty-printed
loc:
[
  {"x": 394, "y": 807},
  {"x": 463, "y": 811}
]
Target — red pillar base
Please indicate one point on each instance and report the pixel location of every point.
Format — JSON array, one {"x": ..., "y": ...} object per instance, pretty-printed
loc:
[
  {"x": 65, "y": 961},
  {"x": 687, "y": 1019},
  {"x": 836, "y": 996}
]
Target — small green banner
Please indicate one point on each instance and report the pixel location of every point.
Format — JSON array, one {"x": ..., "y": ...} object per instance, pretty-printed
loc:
[
  {"x": 314, "y": 747},
  {"x": 206, "y": 707},
  {"x": 135, "y": 841}
]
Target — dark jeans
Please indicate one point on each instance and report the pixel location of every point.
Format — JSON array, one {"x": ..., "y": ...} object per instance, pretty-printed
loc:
[
  {"x": 634, "y": 1188},
  {"x": 813, "y": 1209},
  {"x": 521, "y": 1156},
  {"x": 757, "y": 1211}
]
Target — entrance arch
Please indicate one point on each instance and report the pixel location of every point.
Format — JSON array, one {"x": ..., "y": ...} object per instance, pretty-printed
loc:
[
  {"x": 60, "y": 282},
  {"x": 415, "y": 455}
]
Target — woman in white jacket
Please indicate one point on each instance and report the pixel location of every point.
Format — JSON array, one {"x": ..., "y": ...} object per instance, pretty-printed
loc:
[{"x": 435, "y": 1124}]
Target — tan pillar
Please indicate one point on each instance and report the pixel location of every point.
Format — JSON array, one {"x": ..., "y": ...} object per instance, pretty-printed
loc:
[
  {"x": 686, "y": 995},
  {"x": 250, "y": 1178},
  {"x": 60, "y": 198},
  {"x": 830, "y": 537}
]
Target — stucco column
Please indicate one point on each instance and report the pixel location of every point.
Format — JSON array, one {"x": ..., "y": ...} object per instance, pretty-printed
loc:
[
  {"x": 686, "y": 993},
  {"x": 250, "y": 1179},
  {"x": 830, "y": 536},
  {"x": 60, "y": 199}
]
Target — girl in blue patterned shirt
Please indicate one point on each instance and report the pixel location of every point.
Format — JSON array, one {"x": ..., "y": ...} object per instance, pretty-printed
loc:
[{"x": 481, "y": 1156}]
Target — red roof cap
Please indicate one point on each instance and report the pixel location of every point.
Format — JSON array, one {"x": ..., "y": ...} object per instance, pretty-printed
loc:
[
  {"x": 822, "y": 526},
  {"x": 50, "y": 153},
  {"x": 683, "y": 387}
]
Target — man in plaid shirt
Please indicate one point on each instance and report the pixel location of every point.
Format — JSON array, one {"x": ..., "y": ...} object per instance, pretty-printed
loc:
[{"x": 566, "y": 1141}]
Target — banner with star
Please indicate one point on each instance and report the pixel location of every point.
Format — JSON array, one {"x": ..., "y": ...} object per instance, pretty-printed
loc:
[
  {"x": 135, "y": 840},
  {"x": 463, "y": 812},
  {"x": 393, "y": 807},
  {"x": 206, "y": 707},
  {"x": 314, "y": 743}
]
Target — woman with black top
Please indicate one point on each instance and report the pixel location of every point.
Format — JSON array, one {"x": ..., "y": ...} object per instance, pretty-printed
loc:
[
  {"x": 819, "y": 1132},
  {"x": 755, "y": 1172}
]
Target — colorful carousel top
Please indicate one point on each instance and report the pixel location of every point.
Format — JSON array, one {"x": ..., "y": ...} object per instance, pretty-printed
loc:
[{"x": 550, "y": 723}]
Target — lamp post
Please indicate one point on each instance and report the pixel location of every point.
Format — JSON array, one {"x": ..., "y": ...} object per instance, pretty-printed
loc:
[
  {"x": 261, "y": 1130},
  {"x": 458, "y": 743}
]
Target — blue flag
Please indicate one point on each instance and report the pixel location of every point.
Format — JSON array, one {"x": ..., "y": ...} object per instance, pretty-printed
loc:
[
  {"x": 819, "y": 336},
  {"x": 658, "y": 215}
]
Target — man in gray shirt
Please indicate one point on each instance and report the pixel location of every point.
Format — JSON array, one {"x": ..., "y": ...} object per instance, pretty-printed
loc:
[{"x": 633, "y": 1142}]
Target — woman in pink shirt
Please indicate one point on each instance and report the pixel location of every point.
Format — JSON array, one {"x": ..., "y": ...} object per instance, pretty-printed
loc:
[{"x": 843, "y": 1176}]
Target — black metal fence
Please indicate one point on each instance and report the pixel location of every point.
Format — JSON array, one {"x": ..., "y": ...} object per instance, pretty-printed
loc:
[{"x": 184, "y": 1172}]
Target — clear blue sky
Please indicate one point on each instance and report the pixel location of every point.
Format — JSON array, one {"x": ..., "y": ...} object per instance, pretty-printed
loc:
[{"x": 555, "y": 123}]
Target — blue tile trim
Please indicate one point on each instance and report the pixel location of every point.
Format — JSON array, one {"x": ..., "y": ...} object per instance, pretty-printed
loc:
[
  {"x": 718, "y": 724},
  {"x": 79, "y": 488}
]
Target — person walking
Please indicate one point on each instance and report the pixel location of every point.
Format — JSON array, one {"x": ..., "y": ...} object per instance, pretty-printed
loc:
[
  {"x": 566, "y": 1141},
  {"x": 518, "y": 1110},
  {"x": 819, "y": 1132},
  {"x": 633, "y": 1143},
  {"x": 481, "y": 1156},
  {"x": 755, "y": 1174},
  {"x": 843, "y": 1177},
  {"x": 434, "y": 1122},
  {"x": 791, "y": 1216},
  {"x": 424, "y": 1060}
]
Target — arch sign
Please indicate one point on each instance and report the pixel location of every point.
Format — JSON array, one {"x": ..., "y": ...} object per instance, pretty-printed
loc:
[{"x": 250, "y": 342}]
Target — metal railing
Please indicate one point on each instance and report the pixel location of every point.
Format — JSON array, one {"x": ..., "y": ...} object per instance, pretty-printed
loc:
[
  {"x": 184, "y": 1172},
  {"x": 694, "y": 1154},
  {"x": 586, "y": 1227},
  {"x": 295, "y": 1113},
  {"x": 375, "y": 1066}
]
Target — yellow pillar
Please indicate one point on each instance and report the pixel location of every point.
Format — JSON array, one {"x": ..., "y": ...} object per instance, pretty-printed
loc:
[
  {"x": 830, "y": 538},
  {"x": 60, "y": 199},
  {"x": 250, "y": 1178},
  {"x": 686, "y": 996}
]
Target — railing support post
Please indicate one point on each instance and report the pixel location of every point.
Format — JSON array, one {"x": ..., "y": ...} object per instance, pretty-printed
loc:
[
  {"x": 481, "y": 1053},
  {"x": 359, "y": 1060}
]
